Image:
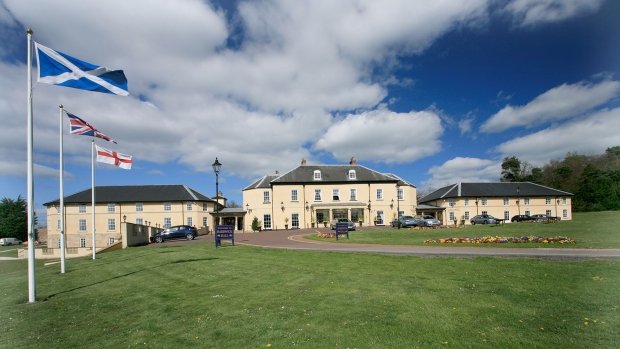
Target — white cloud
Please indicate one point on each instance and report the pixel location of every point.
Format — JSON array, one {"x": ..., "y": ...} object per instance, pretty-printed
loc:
[
  {"x": 532, "y": 12},
  {"x": 462, "y": 169},
  {"x": 588, "y": 135},
  {"x": 384, "y": 136},
  {"x": 562, "y": 102},
  {"x": 264, "y": 101}
]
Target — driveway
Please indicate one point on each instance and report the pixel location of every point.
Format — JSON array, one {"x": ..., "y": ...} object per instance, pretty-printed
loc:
[{"x": 293, "y": 239}]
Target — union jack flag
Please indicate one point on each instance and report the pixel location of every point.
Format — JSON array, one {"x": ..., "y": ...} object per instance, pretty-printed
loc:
[{"x": 81, "y": 127}]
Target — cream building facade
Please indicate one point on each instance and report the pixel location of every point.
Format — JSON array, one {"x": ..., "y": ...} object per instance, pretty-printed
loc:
[
  {"x": 462, "y": 201},
  {"x": 314, "y": 195},
  {"x": 151, "y": 206}
]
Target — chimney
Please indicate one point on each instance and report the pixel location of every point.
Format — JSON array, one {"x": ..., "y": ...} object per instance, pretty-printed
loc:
[
  {"x": 303, "y": 162},
  {"x": 353, "y": 161}
]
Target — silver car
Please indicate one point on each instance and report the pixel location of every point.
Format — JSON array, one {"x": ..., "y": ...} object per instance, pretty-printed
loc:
[{"x": 427, "y": 221}]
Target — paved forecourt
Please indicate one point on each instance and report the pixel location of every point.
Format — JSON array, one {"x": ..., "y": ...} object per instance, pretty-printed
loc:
[{"x": 293, "y": 239}]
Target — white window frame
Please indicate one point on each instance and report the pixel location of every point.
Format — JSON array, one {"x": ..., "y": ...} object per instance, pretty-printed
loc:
[
  {"x": 466, "y": 202},
  {"x": 379, "y": 194},
  {"x": 205, "y": 221},
  {"x": 317, "y": 175},
  {"x": 526, "y": 201},
  {"x": 352, "y": 174},
  {"x": 111, "y": 241},
  {"x": 548, "y": 200},
  {"x": 400, "y": 193},
  {"x": 266, "y": 197},
  {"x": 295, "y": 220},
  {"x": 82, "y": 208},
  {"x": 451, "y": 215},
  {"x": 190, "y": 221},
  {"x": 506, "y": 215},
  {"x": 139, "y": 207},
  {"x": 111, "y": 207},
  {"x": 506, "y": 201},
  {"x": 140, "y": 221},
  {"x": 564, "y": 213},
  {"x": 527, "y": 213},
  {"x": 294, "y": 196},
  {"x": 548, "y": 213},
  {"x": 167, "y": 206},
  {"x": 484, "y": 201},
  {"x": 317, "y": 194},
  {"x": 111, "y": 224},
  {"x": 189, "y": 206},
  {"x": 82, "y": 242},
  {"x": 353, "y": 194},
  {"x": 335, "y": 194},
  {"x": 466, "y": 215},
  {"x": 451, "y": 203},
  {"x": 267, "y": 221},
  {"x": 82, "y": 225},
  {"x": 167, "y": 222}
]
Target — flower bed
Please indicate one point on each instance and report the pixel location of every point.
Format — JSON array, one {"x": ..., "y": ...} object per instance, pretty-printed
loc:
[
  {"x": 501, "y": 239},
  {"x": 326, "y": 235}
]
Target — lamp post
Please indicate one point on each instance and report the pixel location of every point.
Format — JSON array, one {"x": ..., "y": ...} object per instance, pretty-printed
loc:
[
  {"x": 398, "y": 204},
  {"x": 216, "y": 168}
]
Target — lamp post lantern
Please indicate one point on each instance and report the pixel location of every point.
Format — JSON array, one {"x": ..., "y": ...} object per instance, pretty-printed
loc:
[{"x": 216, "y": 168}]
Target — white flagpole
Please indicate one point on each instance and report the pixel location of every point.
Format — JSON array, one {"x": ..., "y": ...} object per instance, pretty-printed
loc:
[
  {"x": 92, "y": 191},
  {"x": 62, "y": 196},
  {"x": 30, "y": 184}
]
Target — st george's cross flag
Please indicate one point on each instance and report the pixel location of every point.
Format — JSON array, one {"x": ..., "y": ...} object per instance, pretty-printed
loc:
[
  {"x": 81, "y": 127},
  {"x": 60, "y": 69},
  {"x": 113, "y": 158}
]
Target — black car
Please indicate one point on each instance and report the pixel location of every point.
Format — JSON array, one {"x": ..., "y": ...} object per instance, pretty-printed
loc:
[
  {"x": 175, "y": 232},
  {"x": 522, "y": 218}
]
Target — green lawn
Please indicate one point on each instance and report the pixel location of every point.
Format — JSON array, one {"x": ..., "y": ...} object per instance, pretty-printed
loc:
[
  {"x": 194, "y": 296},
  {"x": 589, "y": 230}
]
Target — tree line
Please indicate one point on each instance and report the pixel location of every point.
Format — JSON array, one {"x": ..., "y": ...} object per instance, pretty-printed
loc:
[{"x": 593, "y": 179}]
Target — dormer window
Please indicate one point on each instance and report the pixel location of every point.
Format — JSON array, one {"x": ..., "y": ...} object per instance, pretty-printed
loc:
[
  {"x": 317, "y": 175},
  {"x": 352, "y": 174}
]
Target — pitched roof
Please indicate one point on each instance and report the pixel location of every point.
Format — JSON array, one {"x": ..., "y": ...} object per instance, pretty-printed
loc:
[
  {"x": 263, "y": 182},
  {"x": 333, "y": 174},
  {"x": 135, "y": 193},
  {"x": 492, "y": 189}
]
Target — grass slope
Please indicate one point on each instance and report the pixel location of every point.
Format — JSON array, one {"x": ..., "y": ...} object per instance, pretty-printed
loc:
[
  {"x": 589, "y": 230},
  {"x": 194, "y": 296}
]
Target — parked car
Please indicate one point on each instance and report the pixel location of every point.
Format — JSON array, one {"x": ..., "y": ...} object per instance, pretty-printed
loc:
[
  {"x": 483, "y": 219},
  {"x": 427, "y": 221},
  {"x": 351, "y": 225},
  {"x": 10, "y": 241},
  {"x": 175, "y": 232},
  {"x": 405, "y": 222},
  {"x": 522, "y": 218},
  {"x": 544, "y": 217}
]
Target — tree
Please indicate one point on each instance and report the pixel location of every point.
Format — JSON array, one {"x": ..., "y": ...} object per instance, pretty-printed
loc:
[
  {"x": 256, "y": 224},
  {"x": 14, "y": 218},
  {"x": 511, "y": 169},
  {"x": 232, "y": 204}
]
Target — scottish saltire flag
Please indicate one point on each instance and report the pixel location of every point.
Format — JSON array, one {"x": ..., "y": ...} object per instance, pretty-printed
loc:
[
  {"x": 78, "y": 126},
  {"x": 113, "y": 158},
  {"x": 57, "y": 68}
]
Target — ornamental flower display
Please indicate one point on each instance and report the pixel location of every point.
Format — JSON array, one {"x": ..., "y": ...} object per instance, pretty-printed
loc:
[{"x": 501, "y": 239}]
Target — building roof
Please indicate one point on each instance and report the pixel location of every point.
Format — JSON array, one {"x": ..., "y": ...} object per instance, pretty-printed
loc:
[
  {"x": 304, "y": 174},
  {"x": 135, "y": 193},
  {"x": 263, "y": 182},
  {"x": 492, "y": 189}
]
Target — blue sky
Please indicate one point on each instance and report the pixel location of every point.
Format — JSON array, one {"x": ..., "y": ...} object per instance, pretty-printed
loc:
[{"x": 436, "y": 93}]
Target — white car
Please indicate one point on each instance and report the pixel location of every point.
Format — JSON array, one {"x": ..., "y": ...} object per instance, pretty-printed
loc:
[{"x": 10, "y": 241}]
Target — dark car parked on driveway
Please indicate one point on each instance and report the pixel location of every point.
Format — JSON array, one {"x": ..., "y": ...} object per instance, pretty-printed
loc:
[
  {"x": 175, "y": 232},
  {"x": 522, "y": 218},
  {"x": 483, "y": 219}
]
